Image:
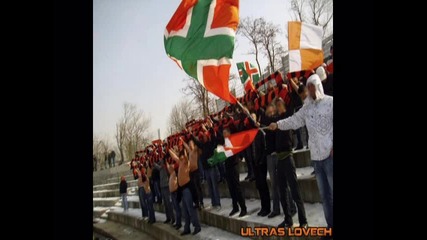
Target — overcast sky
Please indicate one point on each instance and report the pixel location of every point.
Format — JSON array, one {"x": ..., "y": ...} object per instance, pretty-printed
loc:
[{"x": 130, "y": 63}]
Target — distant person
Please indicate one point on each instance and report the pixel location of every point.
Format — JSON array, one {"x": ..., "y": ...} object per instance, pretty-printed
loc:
[
  {"x": 113, "y": 158},
  {"x": 123, "y": 193}
]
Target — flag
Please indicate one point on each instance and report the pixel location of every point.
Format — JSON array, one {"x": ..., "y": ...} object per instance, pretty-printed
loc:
[
  {"x": 200, "y": 39},
  {"x": 305, "y": 46},
  {"x": 234, "y": 144},
  {"x": 249, "y": 75}
]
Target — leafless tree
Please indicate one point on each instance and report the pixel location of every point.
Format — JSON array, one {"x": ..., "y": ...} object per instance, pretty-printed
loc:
[
  {"x": 271, "y": 48},
  {"x": 132, "y": 131},
  {"x": 251, "y": 29},
  {"x": 317, "y": 12},
  {"x": 180, "y": 114}
]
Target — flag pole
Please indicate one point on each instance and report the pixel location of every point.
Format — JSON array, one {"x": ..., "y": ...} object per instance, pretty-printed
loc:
[{"x": 249, "y": 115}]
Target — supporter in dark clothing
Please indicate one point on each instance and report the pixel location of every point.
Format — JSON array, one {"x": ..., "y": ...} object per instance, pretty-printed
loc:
[
  {"x": 208, "y": 147},
  {"x": 155, "y": 185},
  {"x": 286, "y": 169},
  {"x": 260, "y": 171},
  {"x": 232, "y": 177},
  {"x": 123, "y": 193}
]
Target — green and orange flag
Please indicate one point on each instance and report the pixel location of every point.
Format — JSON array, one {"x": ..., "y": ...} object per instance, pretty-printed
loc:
[
  {"x": 200, "y": 39},
  {"x": 249, "y": 75}
]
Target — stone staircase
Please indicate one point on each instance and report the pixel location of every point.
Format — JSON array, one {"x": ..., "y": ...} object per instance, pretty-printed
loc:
[{"x": 215, "y": 224}]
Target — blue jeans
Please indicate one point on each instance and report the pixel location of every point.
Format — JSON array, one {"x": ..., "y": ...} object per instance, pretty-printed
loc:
[
  {"x": 167, "y": 202},
  {"x": 325, "y": 181},
  {"x": 142, "y": 202},
  {"x": 124, "y": 201},
  {"x": 189, "y": 211},
  {"x": 150, "y": 207},
  {"x": 213, "y": 186},
  {"x": 177, "y": 207}
]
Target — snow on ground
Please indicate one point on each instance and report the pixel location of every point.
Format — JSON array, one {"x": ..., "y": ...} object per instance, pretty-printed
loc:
[
  {"x": 208, "y": 232},
  {"x": 107, "y": 199},
  {"x": 302, "y": 173},
  {"x": 314, "y": 212}
]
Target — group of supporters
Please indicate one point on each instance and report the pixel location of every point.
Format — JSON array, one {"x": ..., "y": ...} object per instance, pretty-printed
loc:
[{"x": 171, "y": 172}]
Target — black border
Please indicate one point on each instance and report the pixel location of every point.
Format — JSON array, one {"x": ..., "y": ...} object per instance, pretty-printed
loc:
[
  {"x": 73, "y": 119},
  {"x": 353, "y": 120},
  {"x": 353, "y": 117}
]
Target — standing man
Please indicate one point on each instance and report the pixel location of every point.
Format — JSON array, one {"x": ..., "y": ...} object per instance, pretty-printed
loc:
[
  {"x": 164, "y": 190},
  {"x": 232, "y": 177},
  {"x": 113, "y": 158},
  {"x": 317, "y": 115}
]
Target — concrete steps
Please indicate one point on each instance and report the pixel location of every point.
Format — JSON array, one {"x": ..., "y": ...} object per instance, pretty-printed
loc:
[
  {"x": 307, "y": 183},
  {"x": 118, "y": 231},
  {"x": 162, "y": 231}
]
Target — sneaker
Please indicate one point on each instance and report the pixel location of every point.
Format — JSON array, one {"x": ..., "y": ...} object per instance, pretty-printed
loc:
[
  {"x": 178, "y": 226},
  {"x": 185, "y": 233},
  {"x": 303, "y": 225},
  {"x": 196, "y": 230},
  {"x": 243, "y": 212},
  {"x": 167, "y": 221},
  {"x": 234, "y": 211},
  {"x": 273, "y": 214}
]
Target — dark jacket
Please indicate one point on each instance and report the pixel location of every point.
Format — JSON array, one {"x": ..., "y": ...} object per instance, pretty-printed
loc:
[
  {"x": 164, "y": 177},
  {"x": 270, "y": 137},
  {"x": 123, "y": 186},
  {"x": 207, "y": 149},
  {"x": 328, "y": 85},
  {"x": 283, "y": 138},
  {"x": 258, "y": 149}
]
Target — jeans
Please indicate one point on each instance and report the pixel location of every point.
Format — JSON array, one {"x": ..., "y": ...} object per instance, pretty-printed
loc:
[
  {"x": 156, "y": 193},
  {"x": 272, "y": 167},
  {"x": 232, "y": 177},
  {"x": 150, "y": 207},
  {"x": 262, "y": 186},
  {"x": 249, "y": 161},
  {"x": 221, "y": 169},
  {"x": 177, "y": 207},
  {"x": 196, "y": 187},
  {"x": 286, "y": 169},
  {"x": 190, "y": 213},
  {"x": 124, "y": 201},
  {"x": 201, "y": 170},
  {"x": 167, "y": 202},
  {"x": 213, "y": 186},
  {"x": 325, "y": 181},
  {"x": 142, "y": 202}
]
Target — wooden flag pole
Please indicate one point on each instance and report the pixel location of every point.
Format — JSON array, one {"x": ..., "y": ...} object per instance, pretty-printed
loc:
[{"x": 250, "y": 117}]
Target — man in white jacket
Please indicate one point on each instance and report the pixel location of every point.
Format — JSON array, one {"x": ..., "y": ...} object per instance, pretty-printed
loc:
[{"x": 317, "y": 115}]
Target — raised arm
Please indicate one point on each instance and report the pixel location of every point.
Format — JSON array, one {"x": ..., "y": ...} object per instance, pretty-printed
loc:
[
  {"x": 185, "y": 145},
  {"x": 293, "y": 122},
  {"x": 173, "y": 155}
]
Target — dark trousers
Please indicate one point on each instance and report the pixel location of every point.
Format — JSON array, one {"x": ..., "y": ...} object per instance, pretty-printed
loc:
[
  {"x": 213, "y": 186},
  {"x": 155, "y": 188},
  {"x": 142, "y": 202},
  {"x": 150, "y": 207},
  {"x": 221, "y": 170},
  {"x": 232, "y": 177},
  {"x": 196, "y": 187},
  {"x": 249, "y": 161},
  {"x": 286, "y": 169},
  {"x": 190, "y": 214},
  {"x": 262, "y": 186},
  {"x": 176, "y": 206},
  {"x": 167, "y": 202},
  {"x": 299, "y": 139}
]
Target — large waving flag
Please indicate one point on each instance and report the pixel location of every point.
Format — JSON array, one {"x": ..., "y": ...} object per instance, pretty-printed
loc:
[
  {"x": 200, "y": 39},
  {"x": 233, "y": 145},
  {"x": 305, "y": 46},
  {"x": 249, "y": 75}
]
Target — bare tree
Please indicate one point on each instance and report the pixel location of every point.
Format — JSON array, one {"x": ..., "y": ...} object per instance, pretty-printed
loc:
[
  {"x": 180, "y": 114},
  {"x": 272, "y": 49},
  {"x": 251, "y": 29},
  {"x": 132, "y": 131},
  {"x": 317, "y": 12},
  {"x": 199, "y": 95}
]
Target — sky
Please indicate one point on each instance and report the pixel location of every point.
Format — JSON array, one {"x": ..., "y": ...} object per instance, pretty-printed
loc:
[{"x": 130, "y": 63}]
